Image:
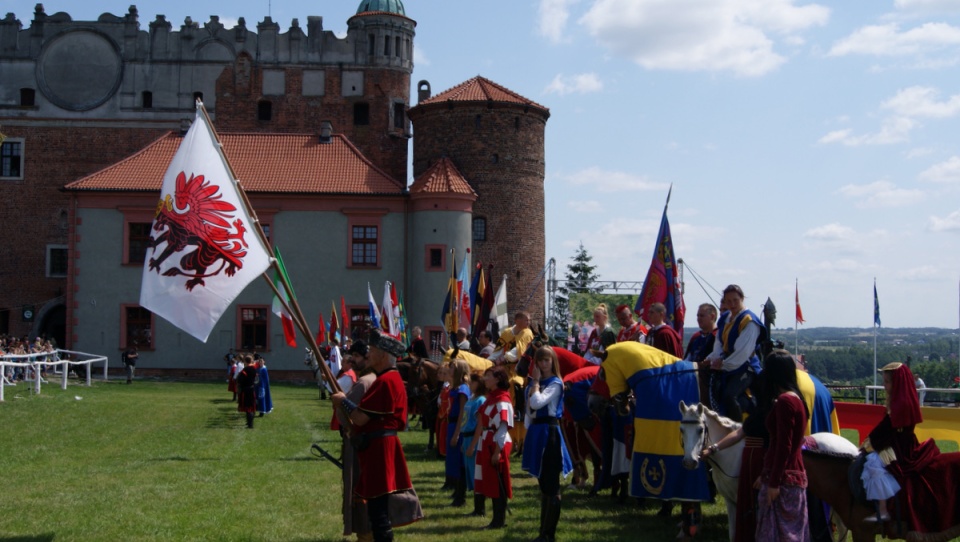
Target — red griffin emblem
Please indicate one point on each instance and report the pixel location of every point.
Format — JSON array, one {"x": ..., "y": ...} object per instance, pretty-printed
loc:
[{"x": 198, "y": 217}]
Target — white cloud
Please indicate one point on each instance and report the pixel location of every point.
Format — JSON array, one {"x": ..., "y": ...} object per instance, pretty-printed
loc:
[
  {"x": 229, "y": 22},
  {"x": 950, "y": 222},
  {"x": 919, "y": 101},
  {"x": 888, "y": 40},
  {"x": 917, "y": 153},
  {"x": 582, "y": 83},
  {"x": 831, "y": 232},
  {"x": 893, "y": 130},
  {"x": 928, "y": 6},
  {"x": 595, "y": 178},
  {"x": 552, "y": 17},
  {"x": 420, "y": 57},
  {"x": 736, "y": 36},
  {"x": 881, "y": 194},
  {"x": 589, "y": 206},
  {"x": 923, "y": 272},
  {"x": 944, "y": 172}
]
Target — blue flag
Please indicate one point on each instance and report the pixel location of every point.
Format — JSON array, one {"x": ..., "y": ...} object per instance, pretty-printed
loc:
[
  {"x": 662, "y": 284},
  {"x": 876, "y": 306}
]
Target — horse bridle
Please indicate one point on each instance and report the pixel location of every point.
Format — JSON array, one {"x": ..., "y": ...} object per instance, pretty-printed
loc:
[{"x": 706, "y": 443}]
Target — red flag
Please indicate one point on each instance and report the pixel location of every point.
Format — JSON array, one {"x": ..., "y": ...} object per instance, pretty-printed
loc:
[
  {"x": 322, "y": 334},
  {"x": 799, "y": 312},
  {"x": 334, "y": 326},
  {"x": 344, "y": 321}
]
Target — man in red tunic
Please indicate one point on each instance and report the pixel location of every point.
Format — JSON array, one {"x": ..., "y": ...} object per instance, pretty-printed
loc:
[
  {"x": 630, "y": 329},
  {"x": 662, "y": 336},
  {"x": 375, "y": 420}
]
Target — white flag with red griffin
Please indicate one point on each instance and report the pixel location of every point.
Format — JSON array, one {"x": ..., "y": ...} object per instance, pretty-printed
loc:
[{"x": 203, "y": 250}]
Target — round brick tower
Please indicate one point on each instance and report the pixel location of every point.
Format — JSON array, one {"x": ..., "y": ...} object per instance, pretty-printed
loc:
[{"x": 495, "y": 137}]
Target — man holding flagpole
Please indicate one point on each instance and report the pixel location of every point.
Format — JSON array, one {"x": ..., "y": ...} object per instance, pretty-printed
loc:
[{"x": 376, "y": 419}]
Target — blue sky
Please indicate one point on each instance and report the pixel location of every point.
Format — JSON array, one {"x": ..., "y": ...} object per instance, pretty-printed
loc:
[{"x": 809, "y": 141}]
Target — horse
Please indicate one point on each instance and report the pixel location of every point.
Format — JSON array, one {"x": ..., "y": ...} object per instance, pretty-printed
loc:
[
  {"x": 657, "y": 381},
  {"x": 423, "y": 389},
  {"x": 827, "y": 459},
  {"x": 582, "y": 429},
  {"x": 699, "y": 428}
]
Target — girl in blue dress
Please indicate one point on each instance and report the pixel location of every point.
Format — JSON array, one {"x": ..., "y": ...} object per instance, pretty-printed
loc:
[{"x": 545, "y": 454}]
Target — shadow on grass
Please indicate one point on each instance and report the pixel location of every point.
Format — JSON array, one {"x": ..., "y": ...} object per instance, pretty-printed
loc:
[
  {"x": 226, "y": 417},
  {"x": 38, "y": 538},
  {"x": 222, "y": 401},
  {"x": 179, "y": 458}
]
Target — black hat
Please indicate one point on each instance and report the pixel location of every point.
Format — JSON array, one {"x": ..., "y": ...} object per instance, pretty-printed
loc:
[
  {"x": 359, "y": 347},
  {"x": 386, "y": 343}
]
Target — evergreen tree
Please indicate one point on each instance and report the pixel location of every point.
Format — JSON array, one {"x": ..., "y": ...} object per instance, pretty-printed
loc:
[{"x": 579, "y": 278}]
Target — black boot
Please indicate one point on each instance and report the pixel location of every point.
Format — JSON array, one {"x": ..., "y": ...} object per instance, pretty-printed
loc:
[
  {"x": 499, "y": 513},
  {"x": 479, "y": 506},
  {"x": 447, "y": 484},
  {"x": 549, "y": 526},
  {"x": 249, "y": 420},
  {"x": 543, "y": 520},
  {"x": 459, "y": 493}
]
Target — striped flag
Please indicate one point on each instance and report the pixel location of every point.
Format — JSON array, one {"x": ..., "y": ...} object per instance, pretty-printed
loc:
[
  {"x": 499, "y": 311},
  {"x": 374, "y": 311},
  {"x": 463, "y": 289},
  {"x": 450, "y": 315},
  {"x": 662, "y": 284},
  {"x": 280, "y": 306}
]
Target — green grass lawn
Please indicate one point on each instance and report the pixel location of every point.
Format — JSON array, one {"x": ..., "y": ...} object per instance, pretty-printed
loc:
[{"x": 174, "y": 461}]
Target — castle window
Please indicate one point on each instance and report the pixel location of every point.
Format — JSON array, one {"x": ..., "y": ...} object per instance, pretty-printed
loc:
[
  {"x": 494, "y": 158},
  {"x": 147, "y": 99},
  {"x": 435, "y": 260},
  {"x": 197, "y": 96},
  {"x": 254, "y": 328},
  {"x": 516, "y": 123},
  {"x": 361, "y": 114},
  {"x": 138, "y": 240},
  {"x": 364, "y": 244},
  {"x": 399, "y": 115},
  {"x": 371, "y": 44},
  {"x": 264, "y": 110},
  {"x": 386, "y": 46},
  {"x": 28, "y": 97},
  {"x": 136, "y": 325},
  {"x": 396, "y": 47},
  {"x": 409, "y": 50},
  {"x": 11, "y": 159},
  {"x": 56, "y": 261},
  {"x": 479, "y": 229},
  {"x": 477, "y": 121}
]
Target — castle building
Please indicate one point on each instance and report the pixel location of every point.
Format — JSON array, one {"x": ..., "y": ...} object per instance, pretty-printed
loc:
[{"x": 316, "y": 128}]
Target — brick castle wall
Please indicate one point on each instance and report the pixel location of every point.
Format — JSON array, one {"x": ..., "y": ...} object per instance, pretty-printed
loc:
[{"x": 500, "y": 151}]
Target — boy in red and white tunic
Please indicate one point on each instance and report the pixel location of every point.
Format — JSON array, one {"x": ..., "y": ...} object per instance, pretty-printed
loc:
[{"x": 492, "y": 474}]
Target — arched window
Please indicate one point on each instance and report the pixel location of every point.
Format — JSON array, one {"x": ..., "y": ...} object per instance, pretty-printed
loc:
[{"x": 147, "y": 99}]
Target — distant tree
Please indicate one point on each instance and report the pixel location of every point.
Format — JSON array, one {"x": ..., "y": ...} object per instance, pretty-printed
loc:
[
  {"x": 579, "y": 278},
  {"x": 581, "y": 275}
]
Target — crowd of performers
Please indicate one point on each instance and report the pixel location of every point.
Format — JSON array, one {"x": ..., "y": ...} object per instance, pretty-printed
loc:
[
  {"x": 249, "y": 381},
  {"x": 517, "y": 398}
]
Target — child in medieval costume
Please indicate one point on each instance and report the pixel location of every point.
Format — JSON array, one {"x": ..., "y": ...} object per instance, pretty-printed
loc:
[
  {"x": 545, "y": 454},
  {"x": 493, "y": 455}
]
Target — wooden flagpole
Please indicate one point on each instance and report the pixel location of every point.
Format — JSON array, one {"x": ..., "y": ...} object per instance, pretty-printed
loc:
[{"x": 292, "y": 307}]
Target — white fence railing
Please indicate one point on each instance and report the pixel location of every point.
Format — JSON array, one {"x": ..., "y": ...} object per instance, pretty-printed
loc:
[
  {"x": 31, "y": 364},
  {"x": 872, "y": 394}
]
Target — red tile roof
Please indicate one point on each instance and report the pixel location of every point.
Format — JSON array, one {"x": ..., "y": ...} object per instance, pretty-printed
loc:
[
  {"x": 480, "y": 89},
  {"x": 267, "y": 163},
  {"x": 442, "y": 178}
]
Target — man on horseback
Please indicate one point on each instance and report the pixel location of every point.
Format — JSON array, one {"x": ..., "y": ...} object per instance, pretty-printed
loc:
[
  {"x": 514, "y": 340},
  {"x": 734, "y": 354}
]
